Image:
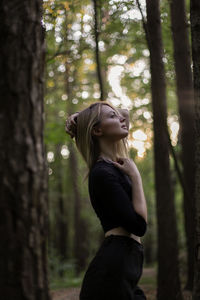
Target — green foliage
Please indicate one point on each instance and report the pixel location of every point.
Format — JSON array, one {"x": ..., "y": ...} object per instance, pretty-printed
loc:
[{"x": 67, "y": 267}]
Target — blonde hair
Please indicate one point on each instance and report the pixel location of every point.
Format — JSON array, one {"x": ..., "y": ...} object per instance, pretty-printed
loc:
[{"x": 86, "y": 142}]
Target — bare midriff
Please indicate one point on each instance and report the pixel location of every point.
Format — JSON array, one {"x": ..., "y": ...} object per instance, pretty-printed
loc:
[{"x": 121, "y": 231}]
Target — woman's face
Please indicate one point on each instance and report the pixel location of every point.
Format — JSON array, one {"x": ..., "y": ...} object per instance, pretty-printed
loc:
[{"x": 112, "y": 125}]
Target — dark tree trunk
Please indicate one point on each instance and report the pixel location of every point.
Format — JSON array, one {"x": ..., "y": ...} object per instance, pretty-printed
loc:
[
  {"x": 195, "y": 30},
  {"x": 96, "y": 34},
  {"x": 185, "y": 95},
  {"x": 148, "y": 249},
  {"x": 168, "y": 271},
  {"x": 23, "y": 169},
  {"x": 62, "y": 225}
]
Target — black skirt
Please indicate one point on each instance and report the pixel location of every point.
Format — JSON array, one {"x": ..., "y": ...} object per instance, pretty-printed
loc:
[{"x": 114, "y": 271}]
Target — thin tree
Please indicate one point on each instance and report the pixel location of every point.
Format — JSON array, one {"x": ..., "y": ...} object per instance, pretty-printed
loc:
[
  {"x": 23, "y": 168},
  {"x": 182, "y": 59},
  {"x": 195, "y": 30},
  {"x": 97, "y": 55},
  {"x": 168, "y": 271},
  {"x": 62, "y": 222}
]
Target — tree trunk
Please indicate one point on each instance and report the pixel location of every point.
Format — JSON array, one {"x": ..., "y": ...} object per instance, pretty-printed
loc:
[
  {"x": 185, "y": 95},
  {"x": 23, "y": 169},
  {"x": 168, "y": 271},
  {"x": 195, "y": 30},
  {"x": 62, "y": 225},
  {"x": 96, "y": 34}
]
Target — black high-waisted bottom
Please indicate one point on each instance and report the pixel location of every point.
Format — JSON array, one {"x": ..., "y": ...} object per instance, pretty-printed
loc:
[{"x": 114, "y": 271}]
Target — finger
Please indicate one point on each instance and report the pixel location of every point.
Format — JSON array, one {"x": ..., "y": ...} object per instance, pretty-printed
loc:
[
  {"x": 120, "y": 161},
  {"x": 68, "y": 129},
  {"x": 73, "y": 122},
  {"x": 70, "y": 133},
  {"x": 68, "y": 122},
  {"x": 116, "y": 164}
]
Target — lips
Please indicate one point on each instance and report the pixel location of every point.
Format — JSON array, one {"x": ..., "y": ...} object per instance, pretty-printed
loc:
[{"x": 124, "y": 126}]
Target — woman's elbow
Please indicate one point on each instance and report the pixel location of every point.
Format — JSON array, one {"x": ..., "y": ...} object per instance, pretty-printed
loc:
[
  {"x": 142, "y": 229},
  {"x": 138, "y": 230}
]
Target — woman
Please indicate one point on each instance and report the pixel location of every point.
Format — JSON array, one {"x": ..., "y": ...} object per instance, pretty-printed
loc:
[{"x": 117, "y": 196}]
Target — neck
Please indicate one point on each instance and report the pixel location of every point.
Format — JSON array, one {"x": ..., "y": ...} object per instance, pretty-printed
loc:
[{"x": 108, "y": 150}]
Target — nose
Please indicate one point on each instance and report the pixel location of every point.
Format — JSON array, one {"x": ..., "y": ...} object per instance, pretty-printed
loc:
[{"x": 121, "y": 118}]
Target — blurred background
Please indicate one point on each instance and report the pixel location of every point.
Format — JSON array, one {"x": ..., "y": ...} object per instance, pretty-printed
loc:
[{"x": 99, "y": 50}]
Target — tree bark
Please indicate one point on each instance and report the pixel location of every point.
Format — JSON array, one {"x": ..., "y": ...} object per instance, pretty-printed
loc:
[
  {"x": 168, "y": 271},
  {"x": 23, "y": 169},
  {"x": 185, "y": 95},
  {"x": 96, "y": 34},
  {"x": 195, "y": 30}
]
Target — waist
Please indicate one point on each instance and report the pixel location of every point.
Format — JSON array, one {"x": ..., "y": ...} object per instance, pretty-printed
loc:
[{"x": 121, "y": 231}]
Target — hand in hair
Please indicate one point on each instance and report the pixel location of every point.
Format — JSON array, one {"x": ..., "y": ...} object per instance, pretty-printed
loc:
[{"x": 70, "y": 124}]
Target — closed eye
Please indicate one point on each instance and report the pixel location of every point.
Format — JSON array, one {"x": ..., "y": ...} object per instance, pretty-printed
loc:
[{"x": 113, "y": 115}]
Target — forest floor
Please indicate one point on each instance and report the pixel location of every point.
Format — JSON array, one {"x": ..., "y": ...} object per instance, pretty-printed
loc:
[{"x": 147, "y": 283}]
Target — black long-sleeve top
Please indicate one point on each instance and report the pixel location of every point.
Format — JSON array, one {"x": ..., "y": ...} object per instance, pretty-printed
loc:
[{"x": 110, "y": 191}]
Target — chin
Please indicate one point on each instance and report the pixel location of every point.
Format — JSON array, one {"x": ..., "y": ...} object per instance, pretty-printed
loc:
[
  {"x": 118, "y": 136},
  {"x": 125, "y": 136},
  {"x": 122, "y": 136},
  {"x": 126, "y": 132}
]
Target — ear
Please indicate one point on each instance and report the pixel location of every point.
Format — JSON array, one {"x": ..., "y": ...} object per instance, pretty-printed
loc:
[{"x": 96, "y": 131}]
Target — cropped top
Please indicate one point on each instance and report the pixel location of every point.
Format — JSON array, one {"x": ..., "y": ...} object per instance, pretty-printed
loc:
[{"x": 110, "y": 191}]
